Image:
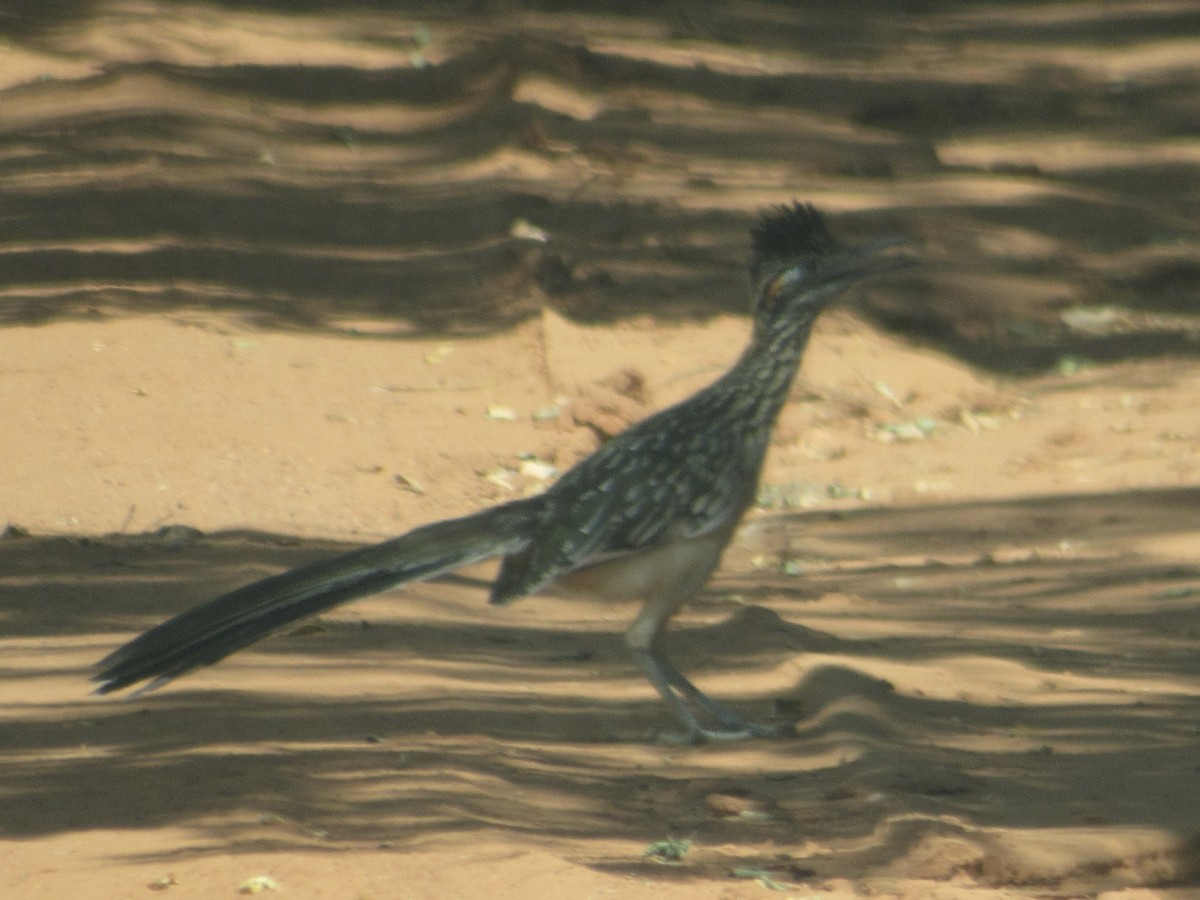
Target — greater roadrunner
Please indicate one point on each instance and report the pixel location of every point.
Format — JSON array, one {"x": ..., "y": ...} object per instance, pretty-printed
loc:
[{"x": 645, "y": 517}]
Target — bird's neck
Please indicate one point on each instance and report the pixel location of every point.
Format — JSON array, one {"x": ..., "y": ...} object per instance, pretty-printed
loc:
[{"x": 767, "y": 366}]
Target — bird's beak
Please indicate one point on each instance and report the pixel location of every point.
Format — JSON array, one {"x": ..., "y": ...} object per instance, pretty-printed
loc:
[{"x": 868, "y": 259}]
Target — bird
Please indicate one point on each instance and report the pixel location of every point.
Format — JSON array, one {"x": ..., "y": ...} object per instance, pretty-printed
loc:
[{"x": 645, "y": 517}]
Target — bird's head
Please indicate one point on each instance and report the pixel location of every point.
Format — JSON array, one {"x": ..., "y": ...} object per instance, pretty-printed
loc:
[{"x": 797, "y": 266}]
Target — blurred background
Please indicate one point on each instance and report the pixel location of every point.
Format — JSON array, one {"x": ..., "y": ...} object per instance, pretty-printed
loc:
[{"x": 459, "y": 166}]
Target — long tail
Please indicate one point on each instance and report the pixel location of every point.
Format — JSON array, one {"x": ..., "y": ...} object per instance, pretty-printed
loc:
[{"x": 210, "y": 632}]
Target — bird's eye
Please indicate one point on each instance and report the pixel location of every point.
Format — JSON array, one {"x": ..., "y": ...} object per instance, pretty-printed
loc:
[{"x": 781, "y": 282}]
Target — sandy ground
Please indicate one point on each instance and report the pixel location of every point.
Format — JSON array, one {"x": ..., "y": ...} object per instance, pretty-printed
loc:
[{"x": 274, "y": 284}]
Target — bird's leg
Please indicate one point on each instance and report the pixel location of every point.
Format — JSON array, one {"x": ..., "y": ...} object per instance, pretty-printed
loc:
[
  {"x": 718, "y": 710},
  {"x": 678, "y": 691},
  {"x": 651, "y": 666}
]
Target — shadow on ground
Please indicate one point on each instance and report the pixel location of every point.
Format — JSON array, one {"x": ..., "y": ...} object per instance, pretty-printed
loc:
[
  {"x": 1042, "y": 160},
  {"x": 961, "y": 674}
]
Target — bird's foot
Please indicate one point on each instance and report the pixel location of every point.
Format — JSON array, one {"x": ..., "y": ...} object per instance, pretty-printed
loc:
[{"x": 740, "y": 732}]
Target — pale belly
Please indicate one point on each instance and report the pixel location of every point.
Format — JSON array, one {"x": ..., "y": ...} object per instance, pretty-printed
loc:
[{"x": 674, "y": 571}]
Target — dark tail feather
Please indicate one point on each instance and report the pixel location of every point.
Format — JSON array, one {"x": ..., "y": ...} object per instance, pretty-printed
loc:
[{"x": 210, "y": 632}]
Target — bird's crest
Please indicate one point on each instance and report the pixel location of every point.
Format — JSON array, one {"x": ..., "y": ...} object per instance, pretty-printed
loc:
[{"x": 784, "y": 233}]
